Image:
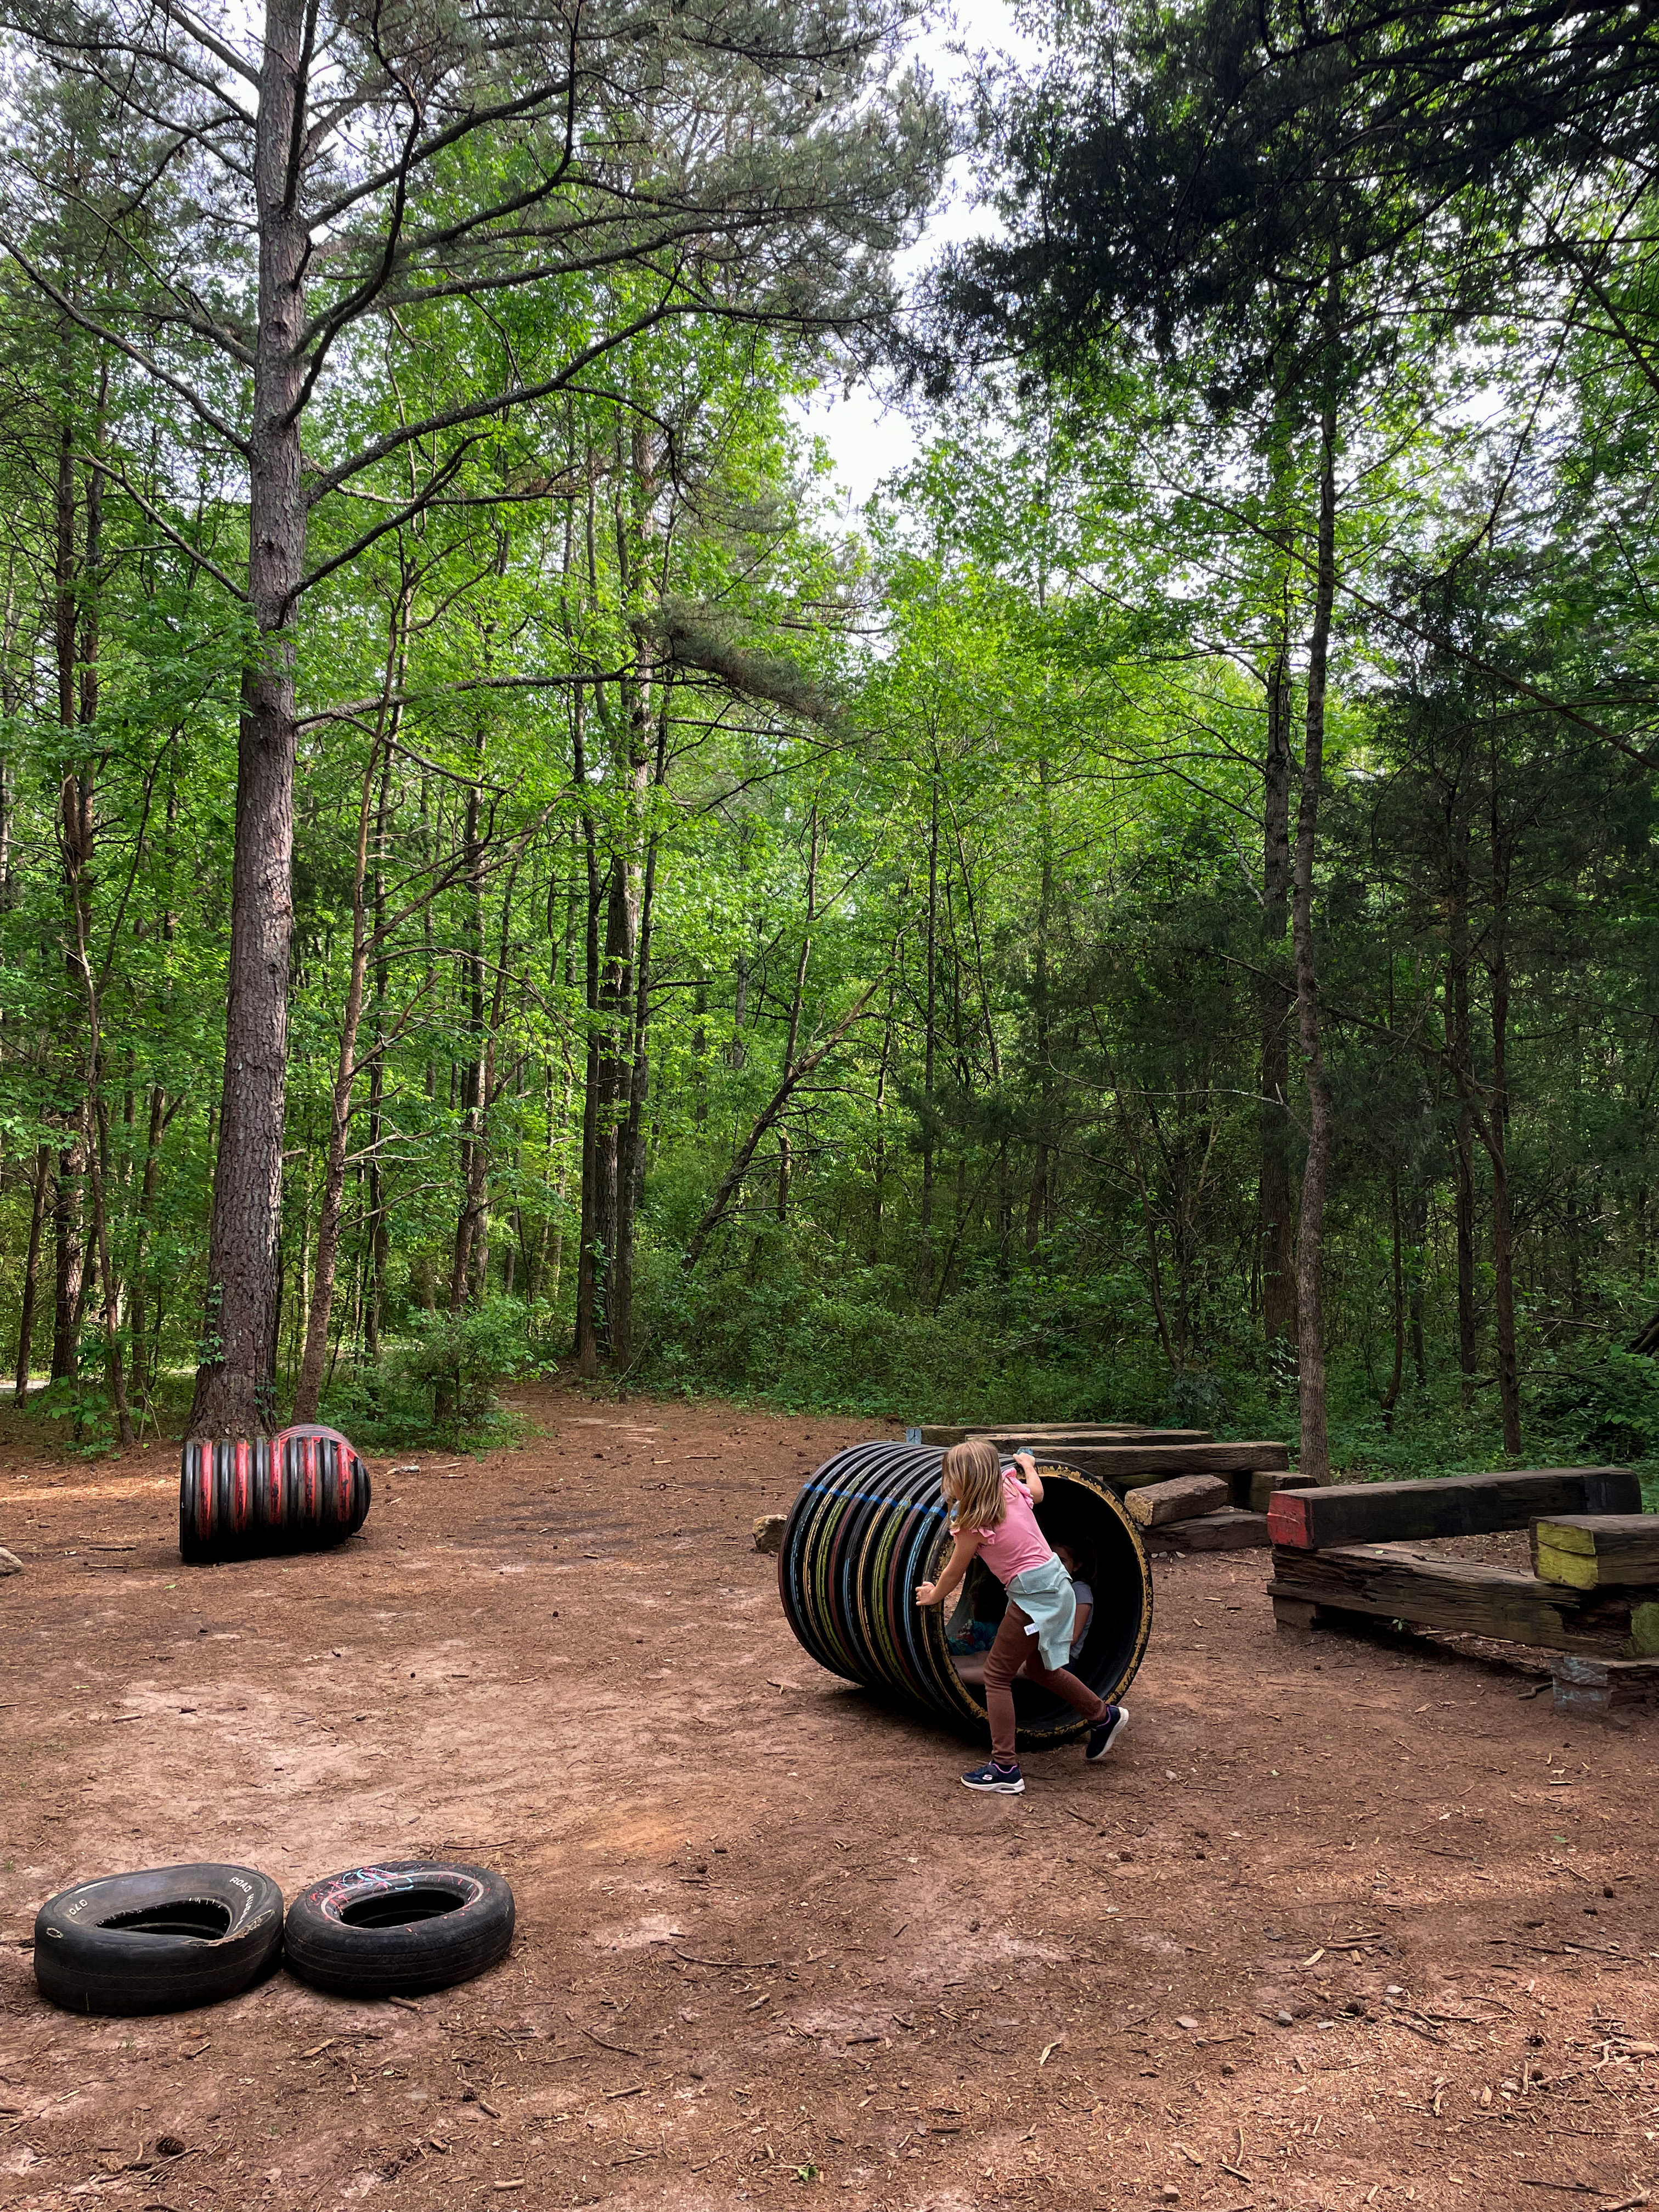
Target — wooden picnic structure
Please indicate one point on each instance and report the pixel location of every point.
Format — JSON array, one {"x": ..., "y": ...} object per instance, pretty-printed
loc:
[
  {"x": 1184, "y": 1490},
  {"x": 1350, "y": 1551}
]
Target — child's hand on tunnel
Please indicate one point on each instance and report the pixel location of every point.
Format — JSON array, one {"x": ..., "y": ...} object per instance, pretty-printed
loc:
[{"x": 926, "y": 1592}]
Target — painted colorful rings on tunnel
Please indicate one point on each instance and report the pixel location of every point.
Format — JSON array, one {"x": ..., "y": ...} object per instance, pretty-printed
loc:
[
  {"x": 300, "y": 1490},
  {"x": 871, "y": 1524}
]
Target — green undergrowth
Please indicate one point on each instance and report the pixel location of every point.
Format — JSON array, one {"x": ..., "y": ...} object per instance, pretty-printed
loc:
[
  {"x": 1035, "y": 1349},
  {"x": 851, "y": 1342}
]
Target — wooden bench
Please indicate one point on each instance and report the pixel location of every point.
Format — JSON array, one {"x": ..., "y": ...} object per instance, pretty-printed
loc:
[{"x": 1396, "y": 1582}]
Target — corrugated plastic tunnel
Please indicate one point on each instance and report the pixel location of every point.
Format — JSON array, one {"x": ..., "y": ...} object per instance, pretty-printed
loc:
[
  {"x": 301, "y": 1490},
  {"x": 871, "y": 1524}
]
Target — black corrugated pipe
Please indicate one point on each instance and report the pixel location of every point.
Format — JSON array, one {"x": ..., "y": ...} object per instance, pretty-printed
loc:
[
  {"x": 871, "y": 1524},
  {"x": 299, "y": 1491}
]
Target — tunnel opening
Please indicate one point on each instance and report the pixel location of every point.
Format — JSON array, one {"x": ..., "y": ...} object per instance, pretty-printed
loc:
[{"x": 1078, "y": 1520}]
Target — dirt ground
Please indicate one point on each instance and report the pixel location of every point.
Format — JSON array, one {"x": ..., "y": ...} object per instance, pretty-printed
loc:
[{"x": 767, "y": 1947}]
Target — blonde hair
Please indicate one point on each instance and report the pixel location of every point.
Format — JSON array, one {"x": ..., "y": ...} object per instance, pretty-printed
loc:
[{"x": 971, "y": 1478}]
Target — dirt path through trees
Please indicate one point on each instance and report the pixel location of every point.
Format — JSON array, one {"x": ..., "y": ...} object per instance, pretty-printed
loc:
[{"x": 766, "y": 1944}]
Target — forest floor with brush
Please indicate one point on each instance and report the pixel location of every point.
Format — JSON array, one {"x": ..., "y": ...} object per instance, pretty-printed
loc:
[{"x": 768, "y": 1949}]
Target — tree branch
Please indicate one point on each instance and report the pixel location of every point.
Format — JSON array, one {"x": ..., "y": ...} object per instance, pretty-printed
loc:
[
  {"x": 793, "y": 1077},
  {"x": 175, "y": 385}
]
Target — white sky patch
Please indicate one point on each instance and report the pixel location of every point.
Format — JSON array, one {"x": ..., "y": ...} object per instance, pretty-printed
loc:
[{"x": 868, "y": 437}]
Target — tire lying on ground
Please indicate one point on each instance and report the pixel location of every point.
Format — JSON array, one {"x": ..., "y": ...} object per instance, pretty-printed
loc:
[
  {"x": 162, "y": 1941},
  {"x": 301, "y": 1490},
  {"x": 398, "y": 1928}
]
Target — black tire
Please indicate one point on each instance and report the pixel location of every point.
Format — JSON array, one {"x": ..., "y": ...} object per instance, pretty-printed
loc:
[
  {"x": 398, "y": 1928},
  {"x": 162, "y": 1941}
]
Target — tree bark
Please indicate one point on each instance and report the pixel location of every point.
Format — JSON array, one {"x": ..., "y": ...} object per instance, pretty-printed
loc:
[
  {"x": 1419, "y": 1224},
  {"x": 1397, "y": 1281},
  {"x": 630, "y": 1166},
  {"x": 114, "y": 1364},
  {"x": 308, "y": 1385},
  {"x": 1036, "y": 1203},
  {"x": 74, "y": 842},
  {"x": 587, "y": 1258},
  {"x": 1495, "y": 1129},
  {"x": 924, "y": 1244},
  {"x": 31, "y": 1270},
  {"x": 1459, "y": 1045},
  {"x": 1315, "y": 1458},
  {"x": 236, "y": 1380},
  {"x": 475, "y": 1074},
  {"x": 138, "y": 1318},
  {"x": 380, "y": 1241},
  {"x": 69, "y": 1273},
  {"x": 1276, "y": 1211},
  {"x": 798, "y": 999},
  {"x": 878, "y": 1148},
  {"x": 610, "y": 1104},
  {"x": 98, "y": 1172}
]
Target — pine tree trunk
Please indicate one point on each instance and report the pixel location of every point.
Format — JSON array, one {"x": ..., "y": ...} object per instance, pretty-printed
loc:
[
  {"x": 1276, "y": 1211},
  {"x": 31, "y": 1270},
  {"x": 138, "y": 1286},
  {"x": 308, "y": 1385},
  {"x": 1315, "y": 1458},
  {"x": 1037, "y": 1198},
  {"x": 630, "y": 1180},
  {"x": 1496, "y": 1124},
  {"x": 611, "y": 1103},
  {"x": 236, "y": 1381},
  {"x": 1461, "y": 1047},
  {"x": 878, "y": 1163},
  {"x": 1418, "y": 1224},
  {"x": 74, "y": 835},
  {"x": 925, "y": 1247},
  {"x": 797, "y": 1000},
  {"x": 69, "y": 1258},
  {"x": 99, "y": 1167},
  {"x": 587, "y": 1271},
  {"x": 1397, "y": 1283},
  {"x": 380, "y": 1241},
  {"x": 474, "y": 1076}
]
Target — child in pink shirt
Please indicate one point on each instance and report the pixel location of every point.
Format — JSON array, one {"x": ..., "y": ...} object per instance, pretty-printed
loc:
[{"x": 992, "y": 1519}]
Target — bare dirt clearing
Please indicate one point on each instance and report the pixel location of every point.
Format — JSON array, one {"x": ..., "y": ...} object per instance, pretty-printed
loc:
[{"x": 766, "y": 1944}]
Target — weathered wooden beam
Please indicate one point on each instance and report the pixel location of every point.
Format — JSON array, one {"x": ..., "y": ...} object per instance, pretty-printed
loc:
[
  {"x": 1299, "y": 1615},
  {"x": 1183, "y": 1500},
  {"x": 1009, "y": 1434},
  {"x": 1445, "y": 1505},
  {"x": 1395, "y": 1582},
  {"x": 1266, "y": 1483},
  {"x": 1590, "y": 1551},
  {"x": 1228, "y": 1530},
  {"x": 1127, "y": 1466}
]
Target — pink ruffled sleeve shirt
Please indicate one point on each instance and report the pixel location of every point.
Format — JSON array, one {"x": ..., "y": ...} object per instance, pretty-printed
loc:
[{"x": 1015, "y": 1542}]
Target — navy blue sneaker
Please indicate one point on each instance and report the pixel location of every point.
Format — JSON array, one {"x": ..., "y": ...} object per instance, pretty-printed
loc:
[
  {"x": 1001, "y": 1781},
  {"x": 1106, "y": 1731}
]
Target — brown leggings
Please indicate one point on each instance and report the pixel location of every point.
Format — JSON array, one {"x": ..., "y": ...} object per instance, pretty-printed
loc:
[{"x": 1013, "y": 1649}]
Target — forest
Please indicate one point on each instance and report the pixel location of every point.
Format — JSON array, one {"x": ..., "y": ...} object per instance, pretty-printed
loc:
[{"x": 1151, "y": 915}]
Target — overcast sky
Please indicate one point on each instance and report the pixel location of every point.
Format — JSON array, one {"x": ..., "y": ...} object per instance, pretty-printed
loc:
[{"x": 866, "y": 440}]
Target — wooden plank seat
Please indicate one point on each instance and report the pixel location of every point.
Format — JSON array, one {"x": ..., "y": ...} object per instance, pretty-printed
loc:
[
  {"x": 1445, "y": 1505},
  {"x": 1227, "y": 1529},
  {"x": 1597, "y": 1551},
  {"x": 1182, "y": 1499},
  {"x": 1396, "y": 1582}
]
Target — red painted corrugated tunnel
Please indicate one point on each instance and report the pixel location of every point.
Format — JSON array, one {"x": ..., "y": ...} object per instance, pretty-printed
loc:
[
  {"x": 299, "y": 1491},
  {"x": 871, "y": 1524}
]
